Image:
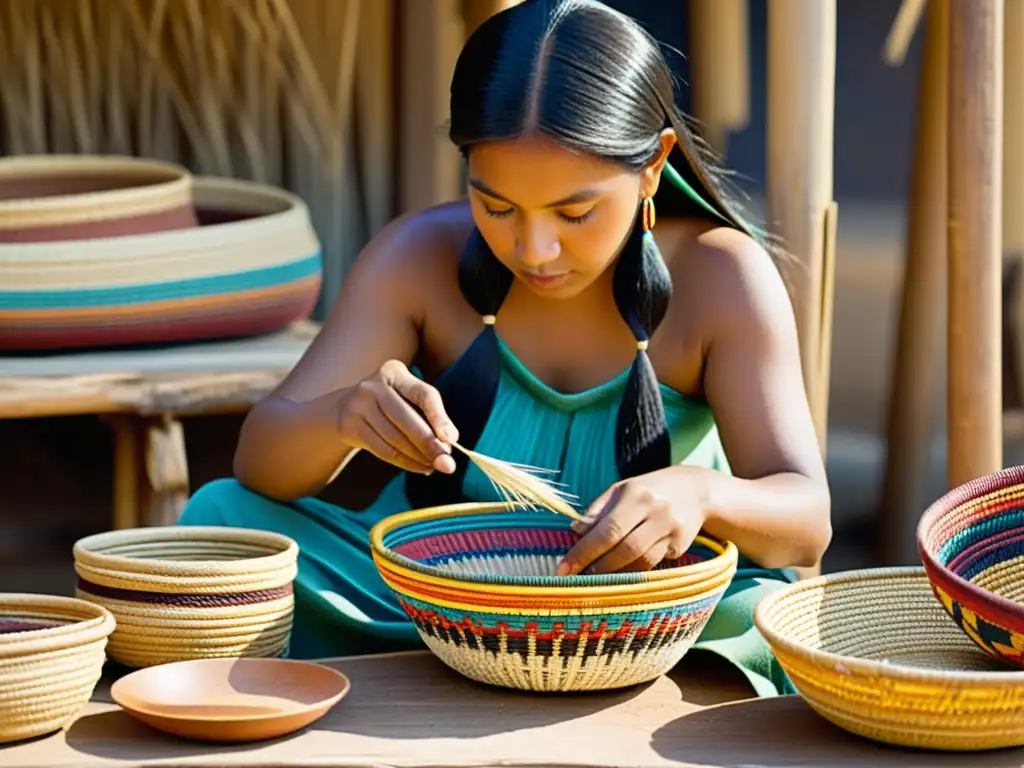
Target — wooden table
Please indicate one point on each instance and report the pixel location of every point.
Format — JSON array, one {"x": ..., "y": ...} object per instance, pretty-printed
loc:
[
  {"x": 142, "y": 393},
  {"x": 410, "y": 710}
]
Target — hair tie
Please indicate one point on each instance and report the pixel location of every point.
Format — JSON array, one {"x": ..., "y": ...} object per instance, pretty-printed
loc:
[
  {"x": 488, "y": 319},
  {"x": 642, "y": 345}
]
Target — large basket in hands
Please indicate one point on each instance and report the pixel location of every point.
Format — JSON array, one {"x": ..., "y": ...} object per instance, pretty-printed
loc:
[
  {"x": 183, "y": 592},
  {"x": 52, "y": 651},
  {"x": 873, "y": 652},
  {"x": 478, "y": 581},
  {"x": 971, "y": 542}
]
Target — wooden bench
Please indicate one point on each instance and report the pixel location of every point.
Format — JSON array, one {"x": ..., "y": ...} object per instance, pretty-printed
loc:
[{"x": 141, "y": 394}]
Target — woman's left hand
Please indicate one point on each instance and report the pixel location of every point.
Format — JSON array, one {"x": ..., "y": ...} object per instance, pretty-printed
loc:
[{"x": 639, "y": 522}]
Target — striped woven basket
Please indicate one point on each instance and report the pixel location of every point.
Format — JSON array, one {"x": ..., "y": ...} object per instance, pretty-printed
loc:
[
  {"x": 478, "y": 582},
  {"x": 873, "y": 652},
  {"x": 52, "y": 651},
  {"x": 52, "y": 198},
  {"x": 182, "y": 592},
  {"x": 972, "y": 544},
  {"x": 253, "y": 267}
]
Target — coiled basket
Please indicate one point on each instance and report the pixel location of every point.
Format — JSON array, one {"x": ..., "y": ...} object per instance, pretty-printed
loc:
[
  {"x": 873, "y": 652},
  {"x": 478, "y": 581},
  {"x": 52, "y": 651},
  {"x": 183, "y": 592},
  {"x": 971, "y": 542}
]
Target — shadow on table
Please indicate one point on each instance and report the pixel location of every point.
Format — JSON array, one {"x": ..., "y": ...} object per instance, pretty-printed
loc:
[{"x": 786, "y": 733}]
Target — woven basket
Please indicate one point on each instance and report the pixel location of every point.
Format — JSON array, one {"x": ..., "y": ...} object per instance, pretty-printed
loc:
[
  {"x": 51, "y": 198},
  {"x": 52, "y": 651},
  {"x": 971, "y": 542},
  {"x": 478, "y": 581},
  {"x": 873, "y": 652},
  {"x": 255, "y": 269},
  {"x": 183, "y": 592}
]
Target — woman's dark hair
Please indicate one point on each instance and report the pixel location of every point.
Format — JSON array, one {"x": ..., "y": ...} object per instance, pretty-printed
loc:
[{"x": 593, "y": 80}]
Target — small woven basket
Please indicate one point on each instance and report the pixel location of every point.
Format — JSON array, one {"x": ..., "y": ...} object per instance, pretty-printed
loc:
[
  {"x": 182, "y": 592},
  {"x": 971, "y": 541},
  {"x": 873, "y": 652},
  {"x": 478, "y": 581},
  {"x": 52, "y": 651}
]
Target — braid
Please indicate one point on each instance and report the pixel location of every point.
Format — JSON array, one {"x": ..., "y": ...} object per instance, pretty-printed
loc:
[
  {"x": 468, "y": 388},
  {"x": 642, "y": 287}
]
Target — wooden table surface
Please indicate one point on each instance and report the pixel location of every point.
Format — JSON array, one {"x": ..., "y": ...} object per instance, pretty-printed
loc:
[{"x": 410, "y": 710}]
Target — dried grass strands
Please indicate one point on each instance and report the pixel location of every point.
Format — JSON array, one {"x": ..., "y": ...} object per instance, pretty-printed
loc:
[{"x": 522, "y": 485}]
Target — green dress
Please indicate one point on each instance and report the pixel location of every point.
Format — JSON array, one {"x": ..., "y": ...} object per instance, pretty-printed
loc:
[{"x": 342, "y": 605}]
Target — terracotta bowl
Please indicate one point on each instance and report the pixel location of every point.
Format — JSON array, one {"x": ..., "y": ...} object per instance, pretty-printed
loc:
[
  {"x": 231, "y": 699},
  {"x": 51, "y": 198},
  {"x": 252, "y": 267}
]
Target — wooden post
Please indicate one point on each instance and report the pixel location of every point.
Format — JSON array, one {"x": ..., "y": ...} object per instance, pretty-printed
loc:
[
  {"x": 1013, "y": 127},
  {"x": 720, "y": 68},
  {"x": 975, "y": 238},
  {"x": 801, "y": 106},
  {"x": 917, "y": 365}
]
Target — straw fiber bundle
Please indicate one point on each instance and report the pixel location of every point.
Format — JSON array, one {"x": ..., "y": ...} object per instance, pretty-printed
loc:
[
  {"x": 254, "y": 267},
  {"x": 971, "y": 541},
  {"x": 479, "y": 582},
  {"x": 873, "y": 652},
  {"x": 52, "y": 651},
  {"x": 183, "y": 593}
]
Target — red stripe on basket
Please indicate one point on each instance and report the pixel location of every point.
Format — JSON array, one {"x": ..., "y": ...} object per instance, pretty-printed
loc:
[
  {"x": 11, "y": 626},
  {"x": 194, "y": 601},
  {"x": 493, "y": 542}
]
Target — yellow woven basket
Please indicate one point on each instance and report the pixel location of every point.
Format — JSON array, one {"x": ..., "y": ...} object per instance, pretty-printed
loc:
[
  {"x": 874, "y": 652},
  {"x": 182, "y": 592},
  {"x": 52, "y": 651}
]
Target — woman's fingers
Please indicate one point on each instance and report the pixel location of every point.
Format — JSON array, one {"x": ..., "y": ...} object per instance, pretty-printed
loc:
[
  {"x": 391, "y": 434},
  {"x": 383, "y": 450},
  {"x": 428, "y": 400},
  {"x": 615, "y": 526},
  {"x": 631, "y": 548},
  {"x": 651, "y": 558},
  {"x": 416, "y": 430}
]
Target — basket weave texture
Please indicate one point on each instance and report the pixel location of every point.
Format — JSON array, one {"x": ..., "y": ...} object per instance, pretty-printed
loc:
[
  {"x": 873, "y": 652},
  {"x": 478, "y": 581},
  {"x": 971, "y": 542},
  {"x": 182, "y": 592},
  {"x": 52, "y": 651}
]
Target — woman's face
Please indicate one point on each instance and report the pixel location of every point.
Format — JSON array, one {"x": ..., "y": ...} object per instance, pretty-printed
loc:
[{"x": 555, "y": 218}]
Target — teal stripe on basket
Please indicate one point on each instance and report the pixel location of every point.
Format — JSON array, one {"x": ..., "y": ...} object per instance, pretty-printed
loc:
[{"x": 124, "y": 295}]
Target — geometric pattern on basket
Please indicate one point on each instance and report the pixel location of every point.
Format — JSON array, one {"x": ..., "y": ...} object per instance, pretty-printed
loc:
[
  {"x": 971, "y": 542},
  {"x": 992, "y": 638}
]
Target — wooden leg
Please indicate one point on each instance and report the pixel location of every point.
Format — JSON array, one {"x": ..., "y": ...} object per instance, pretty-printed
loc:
[{"x": 150, "y": 471}]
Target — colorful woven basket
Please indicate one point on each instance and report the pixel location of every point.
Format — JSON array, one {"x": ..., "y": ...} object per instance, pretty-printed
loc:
[
  {"x": 51, "y": 198},
  {"x": 971, "y": 542},
  {"x": 478, "y": 581},
  {"x": 255, "y": 269},
  {"x": 182, "y": 592},
  {"x": 52, "y": 651},
  {"x": 873, "y": 652}
]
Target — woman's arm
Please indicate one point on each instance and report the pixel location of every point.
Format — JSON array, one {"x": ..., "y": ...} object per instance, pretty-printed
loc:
[{"x": 291, "y": 443}]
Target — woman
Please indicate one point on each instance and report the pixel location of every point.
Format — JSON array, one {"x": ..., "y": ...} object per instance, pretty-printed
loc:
[{"x": 548, "y": 329}]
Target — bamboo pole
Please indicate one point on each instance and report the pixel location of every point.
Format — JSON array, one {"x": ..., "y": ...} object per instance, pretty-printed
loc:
[
  {"x": 1013, "y": 126},
  {"x": 801, "y": 105},
  {"x": 975, "y": 238},
  {"x": 917, "y": 364},
  {"x": 720, "y": 68}
]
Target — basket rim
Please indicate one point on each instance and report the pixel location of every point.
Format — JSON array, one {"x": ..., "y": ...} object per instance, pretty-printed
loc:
[
  {"x": 93, "y": 623},
  {"x": 83, "y": 550},
  {"x": 143, "y": 244},
  {"x": 860, "y": 666},
  {"x": 1005, "y": 610},
  {"x": 726, "y": 556}
]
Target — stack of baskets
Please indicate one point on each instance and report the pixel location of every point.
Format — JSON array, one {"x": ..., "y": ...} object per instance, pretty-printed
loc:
[
  {"x": 478, "y": 581},
  {"x": 52, "y": 651},
  {"x": 920, "y": 656},
  {"x": 183, "y": 592},
  {"x": 101, "y": 251}
]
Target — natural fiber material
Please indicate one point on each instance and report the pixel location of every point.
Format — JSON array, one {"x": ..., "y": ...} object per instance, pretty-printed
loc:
[
  {"x": 873, "y": 652},
  {"x": 255, "y": 272},
  {"x": 972, "y": 544},
  {"x": 478, "y": 581},
  {"x": 52, "y": 651},
  {"x": 182, "y": 592}
]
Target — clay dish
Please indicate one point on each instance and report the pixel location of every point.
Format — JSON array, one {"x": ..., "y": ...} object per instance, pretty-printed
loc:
[{"x": 230, "y": 700}]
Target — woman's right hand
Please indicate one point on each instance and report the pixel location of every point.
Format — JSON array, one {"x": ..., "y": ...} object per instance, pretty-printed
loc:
[{"x": 379, "y": 415}]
